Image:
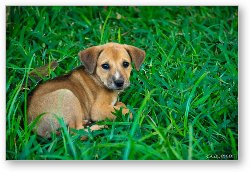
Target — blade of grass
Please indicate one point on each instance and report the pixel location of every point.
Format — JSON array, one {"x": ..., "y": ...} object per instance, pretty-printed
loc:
[
  {"x": 190, "y": 99},
  {"x": 26, "y": 98},
  {"x": 67, "y": 138},
  {"x": 190, "y": 147},
  {"x": 119, "y": 35},
  {"x": 136, "y": 123},
  {"x": 233, "y": 143},
  {"x": 104, "y": 26}
]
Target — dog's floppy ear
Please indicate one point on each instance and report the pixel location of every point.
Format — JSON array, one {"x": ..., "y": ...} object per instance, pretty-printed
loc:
[
  {"x": 137, "y": 55},
  {"x": 89, "y": 57}
]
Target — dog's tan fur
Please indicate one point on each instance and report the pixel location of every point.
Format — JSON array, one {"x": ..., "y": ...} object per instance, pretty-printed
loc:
[{"x": 88, "y": 92}]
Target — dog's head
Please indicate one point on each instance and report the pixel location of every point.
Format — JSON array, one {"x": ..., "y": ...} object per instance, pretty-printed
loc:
[{"x": 111, "y": 63}]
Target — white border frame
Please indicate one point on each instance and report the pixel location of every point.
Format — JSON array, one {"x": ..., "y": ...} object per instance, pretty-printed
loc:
[{"x": 244, "y": 113}]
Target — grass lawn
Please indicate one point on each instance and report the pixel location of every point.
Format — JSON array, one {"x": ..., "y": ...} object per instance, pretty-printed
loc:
[{"x": 184, "y": 99}]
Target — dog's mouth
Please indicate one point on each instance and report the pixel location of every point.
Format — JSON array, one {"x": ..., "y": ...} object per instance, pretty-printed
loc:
[
  {"x": 118, "y": 85},
  {"x": 119, "y": 88}
]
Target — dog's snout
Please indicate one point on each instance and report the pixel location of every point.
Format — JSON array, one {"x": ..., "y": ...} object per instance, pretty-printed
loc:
[{"x": 119, "y": 82}]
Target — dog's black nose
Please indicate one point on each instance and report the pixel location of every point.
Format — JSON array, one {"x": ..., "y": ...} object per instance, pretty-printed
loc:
[{"x": 119, "y": 82}]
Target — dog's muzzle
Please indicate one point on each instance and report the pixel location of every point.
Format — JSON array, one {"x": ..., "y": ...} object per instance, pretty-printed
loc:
[{"x": 119, "y": 83}]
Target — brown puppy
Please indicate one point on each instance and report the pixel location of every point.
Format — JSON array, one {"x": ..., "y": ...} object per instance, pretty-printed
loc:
[{"x": 89, "y": 92}]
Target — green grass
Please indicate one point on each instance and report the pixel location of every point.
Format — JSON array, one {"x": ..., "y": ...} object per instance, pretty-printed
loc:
[{"x": 184, "y": 99}]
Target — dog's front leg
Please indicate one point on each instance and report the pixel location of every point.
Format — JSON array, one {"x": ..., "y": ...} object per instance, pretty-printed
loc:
[{"x": 100, "y": 112}]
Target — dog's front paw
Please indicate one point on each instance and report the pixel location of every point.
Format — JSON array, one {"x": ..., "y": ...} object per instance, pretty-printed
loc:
[
  {"x": 120, "y": 104},
  {"x": 125, "y": 110}
]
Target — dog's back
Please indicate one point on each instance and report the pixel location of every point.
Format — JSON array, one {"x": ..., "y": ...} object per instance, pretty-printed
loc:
[{"x": 64, "y": 97}]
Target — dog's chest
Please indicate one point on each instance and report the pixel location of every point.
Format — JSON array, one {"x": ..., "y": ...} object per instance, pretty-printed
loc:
[{"x": 114, "y": 101}]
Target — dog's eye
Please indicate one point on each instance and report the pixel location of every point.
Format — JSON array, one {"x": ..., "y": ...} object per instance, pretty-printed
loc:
[
  {"x": 105, "y": 66},
  {"x": 125, "y": 64}
]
